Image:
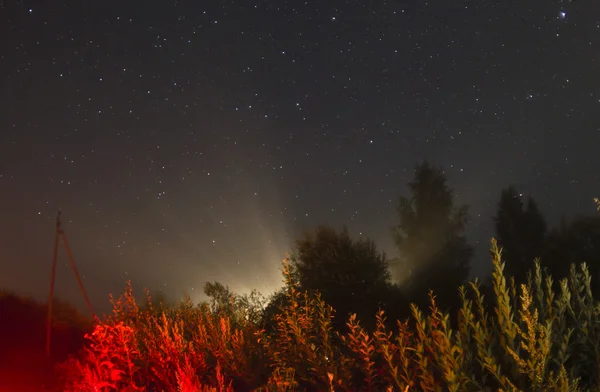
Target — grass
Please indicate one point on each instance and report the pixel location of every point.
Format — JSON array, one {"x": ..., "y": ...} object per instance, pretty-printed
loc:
[{"x": 541, "y": 336}]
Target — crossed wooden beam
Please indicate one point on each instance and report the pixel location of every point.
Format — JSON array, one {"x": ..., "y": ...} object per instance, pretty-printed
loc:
[{"x": 60, "y": 235}]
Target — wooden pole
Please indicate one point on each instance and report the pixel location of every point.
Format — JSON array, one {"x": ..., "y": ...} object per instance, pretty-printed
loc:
[
  {"x": 79, "y": 281},
  {"x": 52, "y": 278},
  {"x": 61, "y": 234}
]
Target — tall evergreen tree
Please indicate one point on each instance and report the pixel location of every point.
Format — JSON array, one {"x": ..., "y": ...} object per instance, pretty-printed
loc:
[
  {"x": 520, "y": 231},
  {"x": 430, "y": 238}
]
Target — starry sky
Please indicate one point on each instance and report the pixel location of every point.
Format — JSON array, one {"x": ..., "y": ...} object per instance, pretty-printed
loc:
[{"x": 192, "y": 141}]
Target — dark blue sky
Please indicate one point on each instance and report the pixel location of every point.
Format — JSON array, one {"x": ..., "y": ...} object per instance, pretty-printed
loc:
[{"x": 188, "y": 141}]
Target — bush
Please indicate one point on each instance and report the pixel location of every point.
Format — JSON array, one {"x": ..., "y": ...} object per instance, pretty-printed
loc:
[
  {"x": 532, "y": 338},
  {"x": 25, "y": 363}
]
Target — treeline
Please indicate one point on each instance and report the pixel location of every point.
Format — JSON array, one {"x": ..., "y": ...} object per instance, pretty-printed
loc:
[{"x": 434, "y": 254}]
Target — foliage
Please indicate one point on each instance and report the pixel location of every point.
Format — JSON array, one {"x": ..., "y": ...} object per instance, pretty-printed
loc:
[
  {"x": 521, "y": 231},
  {"x": 429, "y": 236},
  {"x": 189, "y": 347},
  {"x": 574, "y": 240},
  {"x": 350, "y": 275},
  {"x": 240, "y": 308},
  {"x": 533, "y": 339}
]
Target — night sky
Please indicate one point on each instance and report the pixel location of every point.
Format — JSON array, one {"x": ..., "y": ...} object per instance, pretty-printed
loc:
[{"x": 192, "y": 141}]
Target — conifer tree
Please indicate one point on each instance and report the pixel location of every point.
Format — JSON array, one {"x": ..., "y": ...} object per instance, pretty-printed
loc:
[
  {"x": 521, "y": 231},
  {"x": 430, "y": 238}
]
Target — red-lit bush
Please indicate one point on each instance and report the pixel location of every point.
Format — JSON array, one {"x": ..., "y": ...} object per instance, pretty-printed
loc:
[{"x": 184, "y": 348}]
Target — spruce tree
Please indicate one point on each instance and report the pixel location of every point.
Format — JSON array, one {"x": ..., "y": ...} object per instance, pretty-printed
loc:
[{"x": 430, "y": 238}]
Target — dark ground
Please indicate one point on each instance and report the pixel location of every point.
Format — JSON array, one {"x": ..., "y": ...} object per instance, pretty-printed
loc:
[{"x": 24, "y": 365}]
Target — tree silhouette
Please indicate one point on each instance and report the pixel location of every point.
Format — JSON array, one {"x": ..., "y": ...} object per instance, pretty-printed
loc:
[
  {"x": 433, "y": 250},
  {"x": 574, "y": 241},
  {"x": 352, "y": 275},
  {"x": 521, "y": 232},
  {"x": 240, "y": 308}
]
